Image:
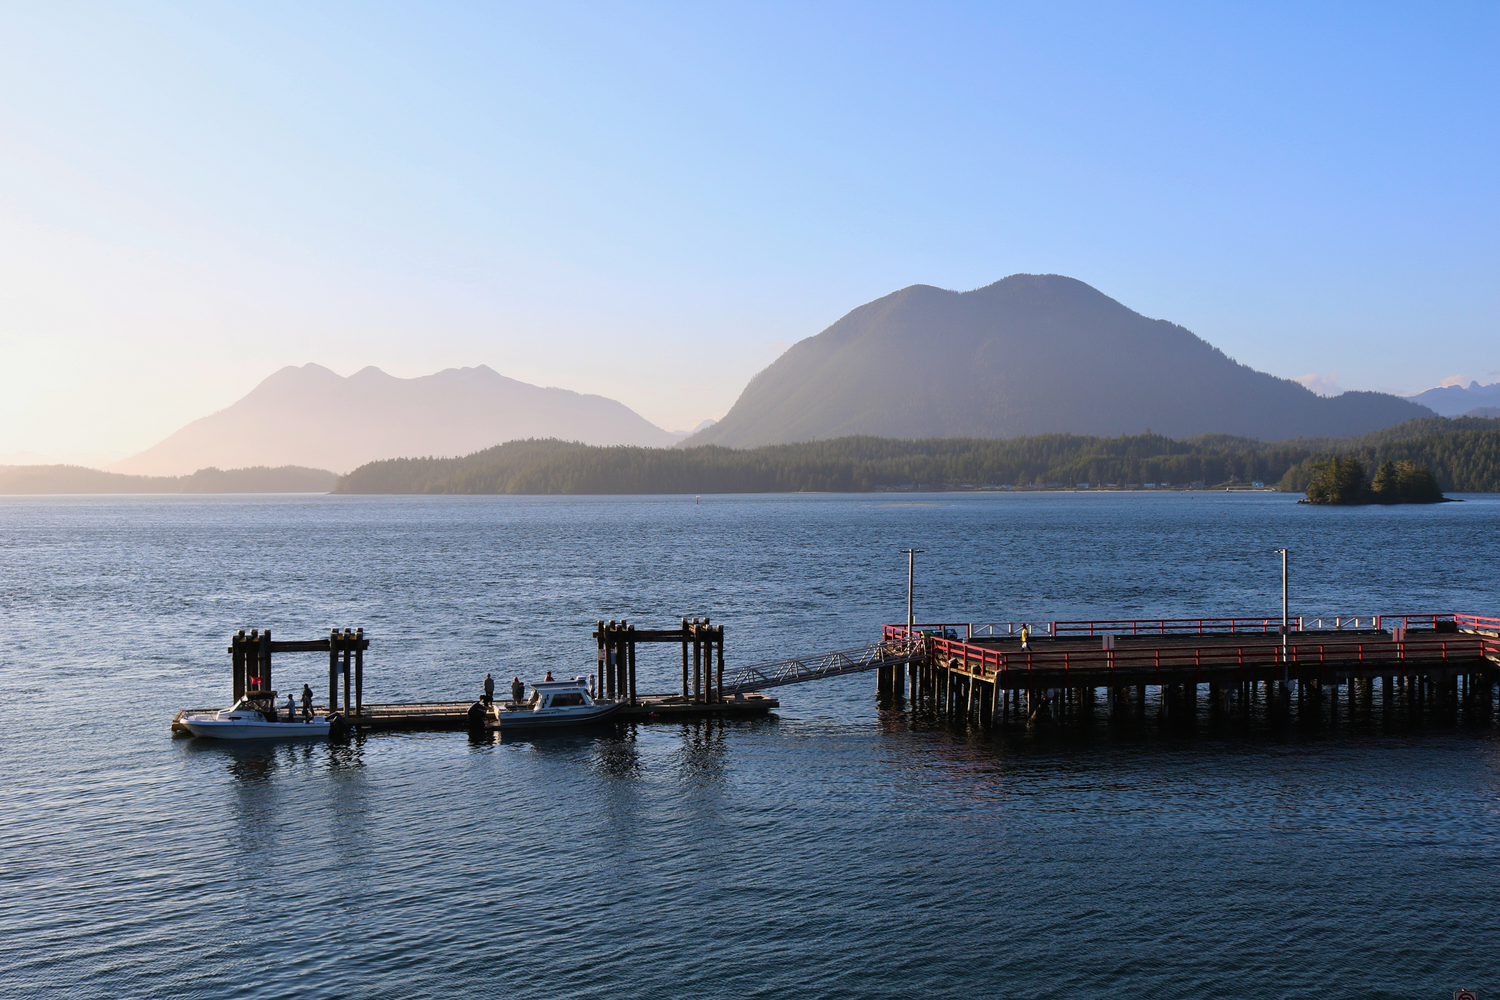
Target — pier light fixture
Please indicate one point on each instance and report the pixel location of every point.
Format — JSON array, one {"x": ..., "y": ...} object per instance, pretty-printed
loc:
[
  {"x": 911, "y": 568},
  {"x": 1284, "y": 619}
]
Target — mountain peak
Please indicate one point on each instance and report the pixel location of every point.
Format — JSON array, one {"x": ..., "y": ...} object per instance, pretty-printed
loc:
[
  {"x": 311, "y": 416},
  {"x": 1028, "y": 354}
]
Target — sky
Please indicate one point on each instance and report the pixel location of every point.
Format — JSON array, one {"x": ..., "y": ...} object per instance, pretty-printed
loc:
[{"x": 652, "y": 201}]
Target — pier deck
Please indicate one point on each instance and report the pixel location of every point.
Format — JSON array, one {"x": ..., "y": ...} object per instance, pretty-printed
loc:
[{"x": 988, "y": 672}]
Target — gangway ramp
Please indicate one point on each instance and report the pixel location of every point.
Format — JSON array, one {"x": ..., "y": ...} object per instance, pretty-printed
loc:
[{"x": 888, "y": 652}]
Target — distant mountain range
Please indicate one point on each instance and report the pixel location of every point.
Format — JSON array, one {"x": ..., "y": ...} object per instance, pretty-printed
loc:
[
  {"x": 1456, "y": 401},
  {"x": 1030, "y": 354},
  {"x": 310, "y": 416}
]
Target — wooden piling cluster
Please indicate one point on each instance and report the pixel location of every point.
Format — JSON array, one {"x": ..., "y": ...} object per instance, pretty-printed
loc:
[
  {"x": 346, "y": 649},
  {"x": 616, "y": 660},
  {"x": 707, "y": 642},
  {"x": 250, "y": 658},
  {"x": 702, "y": 658}
]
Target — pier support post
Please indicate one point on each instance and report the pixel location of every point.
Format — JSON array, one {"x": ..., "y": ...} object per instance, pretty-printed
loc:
[
  {"x": 708, "y": 667},
  {"x": 237, "y": 657},
  {"x": 630, "y": 662},
  {"x": 697, "y": 661},
  {"x": 685, "y": 691},
  {"x": 719, "y": 662},
  {"x": 265, "y": 661},
  {"x": 333, "y": 670},
  {"x": 359, "y": 670},
  {"x": 347, "y": 656}
]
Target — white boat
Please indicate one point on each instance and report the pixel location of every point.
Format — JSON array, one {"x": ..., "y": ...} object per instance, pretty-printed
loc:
[
  {"x": 255, "y": 719},
  {"x": 553, "y": 704}
]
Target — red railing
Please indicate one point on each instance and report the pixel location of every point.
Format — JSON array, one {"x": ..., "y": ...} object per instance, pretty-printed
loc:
[
  {"x": 987, "y": 663},
  {"x": 1477, "y": 623},
  {"x": 1299, "y": 623},
  {"x": 1181, "y": 626},
  {"x": 899, "y": 631},
  {"x": 1168, "y": 626}
]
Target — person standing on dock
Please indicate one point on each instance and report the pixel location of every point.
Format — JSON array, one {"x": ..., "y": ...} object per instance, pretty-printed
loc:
[
  {"x": 517, "y": 690},
  {"x": 1025, "y": 635},
  {"x": 489, "y": 690},
  {"x": 306, "y": 703}
]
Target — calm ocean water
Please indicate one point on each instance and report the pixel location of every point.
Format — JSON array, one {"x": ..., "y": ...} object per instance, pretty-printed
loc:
[{"x": 834, "y": 850}]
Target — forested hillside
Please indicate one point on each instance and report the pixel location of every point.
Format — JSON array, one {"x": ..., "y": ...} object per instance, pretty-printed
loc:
[
  {"x": 1464, "y": 455},
  {"x": 1462, "y": 460},
  {"x": 67, "y": 479}
]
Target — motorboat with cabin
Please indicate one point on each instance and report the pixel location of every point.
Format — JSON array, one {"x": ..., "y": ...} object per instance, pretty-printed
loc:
[
  {"x": 256, "y": 717},
  {"x": 553, "y": 704}
]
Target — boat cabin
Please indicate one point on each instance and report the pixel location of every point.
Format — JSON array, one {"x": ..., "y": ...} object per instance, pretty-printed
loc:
[{"x": 559, "y": 694}]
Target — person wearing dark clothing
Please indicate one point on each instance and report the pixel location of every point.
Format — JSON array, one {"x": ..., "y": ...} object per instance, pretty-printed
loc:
[
  {"x": 489, "y": 689},
  {"x": 517, "y": 690},
  {"x": 306, "y": 703}
]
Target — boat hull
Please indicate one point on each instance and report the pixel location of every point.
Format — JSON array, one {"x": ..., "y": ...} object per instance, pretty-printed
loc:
[
  {"x": 246, "y": 729},
  {"x": 558, "y": 719}
]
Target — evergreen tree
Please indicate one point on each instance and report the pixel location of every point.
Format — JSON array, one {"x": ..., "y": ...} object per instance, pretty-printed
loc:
[{"x": 1387, "y": 484}]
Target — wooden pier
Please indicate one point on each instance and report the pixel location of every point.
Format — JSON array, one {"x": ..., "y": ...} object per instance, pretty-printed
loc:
[{"x": 985, "y": 674}]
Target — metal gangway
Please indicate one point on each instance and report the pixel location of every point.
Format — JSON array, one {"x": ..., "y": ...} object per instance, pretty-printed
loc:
[{"x": 795, "y": 670}]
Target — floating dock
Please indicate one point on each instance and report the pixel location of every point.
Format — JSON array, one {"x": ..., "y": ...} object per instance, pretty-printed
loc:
[{"x": 703, "y": 691}]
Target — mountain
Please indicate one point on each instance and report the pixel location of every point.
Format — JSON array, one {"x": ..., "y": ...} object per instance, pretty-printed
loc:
[
  {"x": 53, "y": 479},
  {"x": 313, "y": 417},
  {"x": 1030, "y": 354},
  {"x": 1455, "y": 400}
]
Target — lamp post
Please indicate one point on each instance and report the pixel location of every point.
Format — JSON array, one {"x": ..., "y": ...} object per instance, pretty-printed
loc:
[
  {"x": 1284, "y": 619},
  {"x": 911, "y": 569}
]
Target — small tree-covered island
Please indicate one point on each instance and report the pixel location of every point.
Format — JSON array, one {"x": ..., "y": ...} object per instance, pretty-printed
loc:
[{"x": 1342, "y": 481}]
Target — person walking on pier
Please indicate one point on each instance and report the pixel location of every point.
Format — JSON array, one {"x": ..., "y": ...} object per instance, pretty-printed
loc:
[
  {"x": 489, "y": 690},
  {"x": 517, "y": 690},
  {"x": 306, "y": 703},
  {"x": 1025, "y": 635}
]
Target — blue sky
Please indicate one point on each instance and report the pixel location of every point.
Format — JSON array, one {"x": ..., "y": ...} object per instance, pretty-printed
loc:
[{"x": 652, "y": 201}]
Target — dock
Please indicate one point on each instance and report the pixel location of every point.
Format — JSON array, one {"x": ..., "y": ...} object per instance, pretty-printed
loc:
[
  {"x": 995, "y": 674},
  {"x": 703, "y": 692},
  {"x": 985, "y": 674}
]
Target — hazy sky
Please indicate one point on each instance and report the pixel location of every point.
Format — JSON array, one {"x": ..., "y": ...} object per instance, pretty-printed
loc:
[{"x": 651, "y": 202}]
